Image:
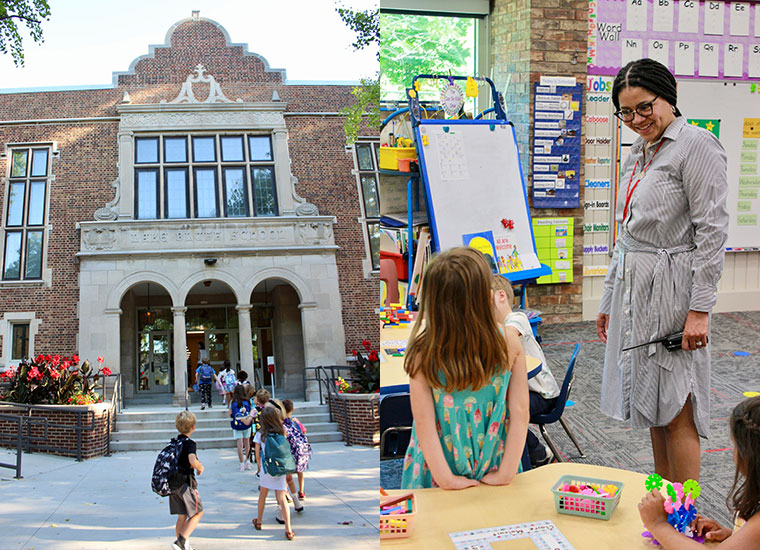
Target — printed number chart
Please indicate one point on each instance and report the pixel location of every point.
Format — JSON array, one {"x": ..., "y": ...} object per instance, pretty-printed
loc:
[
  {"x": 694, "y": 39},
  {"x": 544, "y": 535}
]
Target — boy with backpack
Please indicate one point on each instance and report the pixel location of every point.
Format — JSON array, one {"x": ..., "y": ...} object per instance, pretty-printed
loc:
[
  {"x": 205, "y": 375},
  {"x": 184, "y": 500}
]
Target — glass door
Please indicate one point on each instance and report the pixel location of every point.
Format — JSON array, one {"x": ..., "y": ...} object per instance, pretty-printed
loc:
[
  {"x": 154, "y": 366},
  {"x": 221, "y": 346}
]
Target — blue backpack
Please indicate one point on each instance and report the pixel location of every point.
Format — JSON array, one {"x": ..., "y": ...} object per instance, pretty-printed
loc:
[
  {"x": 206, "y": 374},
  {"x": 278, "y": 460}
]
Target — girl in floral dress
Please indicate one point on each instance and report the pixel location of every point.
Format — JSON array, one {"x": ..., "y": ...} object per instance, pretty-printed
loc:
[{"x": 468, "y": 381}]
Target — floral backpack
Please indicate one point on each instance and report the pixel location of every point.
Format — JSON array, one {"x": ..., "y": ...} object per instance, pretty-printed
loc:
[{"x": 299, "y": 444}]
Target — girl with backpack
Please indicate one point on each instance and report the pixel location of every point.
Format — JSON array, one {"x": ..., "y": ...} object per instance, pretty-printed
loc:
[
  {"x": 240, "y": 412},
  {"x": 277, "y": 462},
  {"x": 229, "y": 381}
]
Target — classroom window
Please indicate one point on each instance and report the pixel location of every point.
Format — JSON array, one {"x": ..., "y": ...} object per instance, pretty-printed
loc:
[
  {"x": 25, "y": 213},
  {"x": 203, "y": 176},
  {"x": 365, "y": 161}
]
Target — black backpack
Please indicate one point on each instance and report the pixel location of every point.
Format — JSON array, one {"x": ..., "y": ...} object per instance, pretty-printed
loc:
[{"x": 166, "y": 467}]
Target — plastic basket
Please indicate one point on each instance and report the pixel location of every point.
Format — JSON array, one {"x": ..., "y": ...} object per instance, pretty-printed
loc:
[
  {"x": 587, "y": 506},
  {"x": 397, "y": 526},
  {"x": 389, "y": 156}
]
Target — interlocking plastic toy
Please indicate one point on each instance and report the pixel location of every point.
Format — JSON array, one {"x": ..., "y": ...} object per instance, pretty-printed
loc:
[{"x": 679, "y": 504}]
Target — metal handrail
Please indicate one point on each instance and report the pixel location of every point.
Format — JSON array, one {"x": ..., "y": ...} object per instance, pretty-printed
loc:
[{"x": 19, "y": 443}]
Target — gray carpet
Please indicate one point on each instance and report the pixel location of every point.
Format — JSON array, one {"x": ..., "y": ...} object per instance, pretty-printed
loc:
[{"x": 609, "y": 443}]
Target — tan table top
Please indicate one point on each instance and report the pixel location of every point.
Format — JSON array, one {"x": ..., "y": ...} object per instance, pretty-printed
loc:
[
  {"x": 392, "y": 368},
  {"x": 528, "y": 498}
]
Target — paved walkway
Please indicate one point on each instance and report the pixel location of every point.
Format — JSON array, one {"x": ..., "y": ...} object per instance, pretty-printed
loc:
[{"x": 106, "y": 503}]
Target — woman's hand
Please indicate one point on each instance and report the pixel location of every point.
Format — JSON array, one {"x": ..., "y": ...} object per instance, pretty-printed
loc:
[
  {"x": 602, "y": 322},
  {"x": 456, "y": 482},
  {"x": 711, "y": 529},
  {"x": 652, "y": 510},
  {"x": 695, "y": 330}
]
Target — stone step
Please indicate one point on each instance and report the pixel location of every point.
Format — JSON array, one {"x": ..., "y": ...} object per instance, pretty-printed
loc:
[
  {"x": 301, "y": 410},
  {"x": 128, "y": 424},
  {"x": 212, "y": 432},
  {"x": 206, "y": 443}
]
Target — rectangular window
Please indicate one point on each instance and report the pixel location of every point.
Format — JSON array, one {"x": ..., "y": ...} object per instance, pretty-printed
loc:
[
  {"x": 146, "y": 198},
  {"x": 205, "y": 193},
  {"x": 188, "y": 176},
  {"x": 26, "y": 213},
  {"x": 19, "y": 341},
  {"x": 366, "y": 163},
  {"x": 264, "y": 194}
]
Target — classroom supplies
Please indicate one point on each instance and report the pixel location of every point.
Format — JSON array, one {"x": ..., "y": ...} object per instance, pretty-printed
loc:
[
  {"x": 397, "y": 516},
  {"x": 679, "y": 504},
  {"x": 544, "y": 534},
  {"x": 587, "y": 497},
  {"x": 389, "y": 156}
]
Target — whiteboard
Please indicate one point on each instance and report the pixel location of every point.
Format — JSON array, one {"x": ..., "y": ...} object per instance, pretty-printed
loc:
[
  {"x": 731, "y": 103},
  {"x": 473, "y": 181}
]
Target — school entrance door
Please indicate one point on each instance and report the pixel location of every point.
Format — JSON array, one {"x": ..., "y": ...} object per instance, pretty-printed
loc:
[{"x": 154, "y": 368}]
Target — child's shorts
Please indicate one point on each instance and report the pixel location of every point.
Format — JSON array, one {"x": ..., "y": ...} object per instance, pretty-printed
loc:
[
  {"x": 242, "y": 434},
  {"x": 185, "y": 500}
]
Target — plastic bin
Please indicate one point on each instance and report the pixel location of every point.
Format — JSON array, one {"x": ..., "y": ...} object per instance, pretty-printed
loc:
[
  {"x": 397, "y": 526},
  {"x": 587, "y": 506},
  {"x": 402, "y": 264},
  {"x": 389, "y": 156}
]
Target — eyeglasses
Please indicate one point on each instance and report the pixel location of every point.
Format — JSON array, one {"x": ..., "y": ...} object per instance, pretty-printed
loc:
[{"x": 644, "y": 110}]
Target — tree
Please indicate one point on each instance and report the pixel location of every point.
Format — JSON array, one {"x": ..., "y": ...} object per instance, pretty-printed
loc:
[
  {"x": 366, "y": 25},
  {"x": 418, "y": 44},
  {"x": 31, "y": 13}
]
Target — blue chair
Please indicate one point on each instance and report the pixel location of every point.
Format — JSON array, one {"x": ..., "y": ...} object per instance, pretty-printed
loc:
[{"x": 556, "y": 414}]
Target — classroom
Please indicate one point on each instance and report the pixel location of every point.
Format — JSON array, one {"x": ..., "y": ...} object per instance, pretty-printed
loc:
[{"x": 506, "y": 131}]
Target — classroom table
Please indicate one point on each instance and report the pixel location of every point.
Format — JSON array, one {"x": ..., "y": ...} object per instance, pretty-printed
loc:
[
  {"x": 528, "y": 498},
  {"x": 394, "y": 379}
]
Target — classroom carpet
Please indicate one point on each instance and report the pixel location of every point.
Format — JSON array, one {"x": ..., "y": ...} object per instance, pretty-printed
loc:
[{"x": 610, "y": 443}]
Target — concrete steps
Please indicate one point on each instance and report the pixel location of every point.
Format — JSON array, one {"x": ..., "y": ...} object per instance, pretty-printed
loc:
[{"x": 149, "y": 425}]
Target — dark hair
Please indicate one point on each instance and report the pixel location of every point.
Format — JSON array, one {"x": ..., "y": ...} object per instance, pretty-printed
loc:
[
  {"x": 227, "y": 364},
  {"x": 240, "y": 394},
  {"x": 650, "y": 75},
  {"x": 287, "y": 404},
  {"x": 745, "y": 431},
  {"x": 242, "y": 375},
  {"x": 270, "y": 420}
]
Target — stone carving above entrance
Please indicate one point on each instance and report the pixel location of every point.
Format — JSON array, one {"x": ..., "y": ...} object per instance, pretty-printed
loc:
[
  {"x": 110, "y": 210},
  {"x": 215, "y": 94},
  {"x": 98, "y": 238}
]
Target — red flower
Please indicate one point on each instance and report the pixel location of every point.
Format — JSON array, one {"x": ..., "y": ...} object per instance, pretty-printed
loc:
[
  {"x": 373, "y": 356},
  {"x": 106, "y": 371},
  {"x": 48, "y": 358},
  {"x": 100, "y": 359},
  {"x": 353, "y": 352},
  {"x": 75, "y": 358},
  {"x": 33, "y": 374},
  {"x": 54, "y": 374},
  {"x": 367, "y": 344},
  {"x": 56, "y": 359}
]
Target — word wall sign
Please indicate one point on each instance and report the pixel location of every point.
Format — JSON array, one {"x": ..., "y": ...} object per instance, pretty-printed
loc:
[
  {"x": 557, "y": 144},
  {"x": 693, "y": 38}
]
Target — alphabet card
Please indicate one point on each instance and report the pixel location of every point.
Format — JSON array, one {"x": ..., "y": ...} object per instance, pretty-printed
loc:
[{"x": 544, "y": 535}]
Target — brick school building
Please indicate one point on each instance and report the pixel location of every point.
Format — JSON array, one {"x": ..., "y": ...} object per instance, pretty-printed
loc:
[{"x": 199, "y": 205}]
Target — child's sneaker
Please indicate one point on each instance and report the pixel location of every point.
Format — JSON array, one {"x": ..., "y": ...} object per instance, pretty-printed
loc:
[
  {"x": 242, "y": 467},
  {"x": 248, "y": 465},
  {"x": 177, "y": 545},
  {"x": 548, "y": 457},
  {"x": 203, "y": 406}
]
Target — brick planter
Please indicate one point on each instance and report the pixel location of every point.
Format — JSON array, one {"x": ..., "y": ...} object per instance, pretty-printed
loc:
[
  {"x": 357, "y": 415},
  {"x": 62, "y": 437}
]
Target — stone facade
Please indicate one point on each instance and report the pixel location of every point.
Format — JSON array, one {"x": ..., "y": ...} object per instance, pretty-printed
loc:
[{"x": 312, "y": 254}]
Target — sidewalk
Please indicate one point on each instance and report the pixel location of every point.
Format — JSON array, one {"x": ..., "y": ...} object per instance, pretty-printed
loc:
[{"x": 106, "y": 503}]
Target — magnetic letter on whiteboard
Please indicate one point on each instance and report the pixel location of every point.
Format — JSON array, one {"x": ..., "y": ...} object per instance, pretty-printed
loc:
[
  {"x": 688, "y": 16},
  {"x": 659, "y": 50},
  {"x": 636, "y": 15},
  {"x": 733, "y": 59},
  {"x": 753, "y": 70},
  {"x": 713, "y": 17},
  {"x": 708, "y": 59},
  {"x": 662, "y": 13},
  {"x": 684, "y": 55},
  {"x": 739, "y": 19},
  {"x": 633, "y": 49}
]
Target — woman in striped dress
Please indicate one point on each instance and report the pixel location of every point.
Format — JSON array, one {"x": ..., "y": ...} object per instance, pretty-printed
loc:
[{"x": 668, "y": 257}]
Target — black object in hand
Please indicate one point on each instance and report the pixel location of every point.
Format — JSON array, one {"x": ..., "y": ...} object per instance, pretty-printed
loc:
[{"x": 671, "y": 342}]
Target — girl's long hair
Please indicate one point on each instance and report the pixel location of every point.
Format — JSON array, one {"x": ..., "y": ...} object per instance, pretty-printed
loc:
[
  {"x": 270, "y": 420},
  {"x": 240, "y": 395},
  {"x": 456, "y": 343},
  {"x": 744, "y": 496}
]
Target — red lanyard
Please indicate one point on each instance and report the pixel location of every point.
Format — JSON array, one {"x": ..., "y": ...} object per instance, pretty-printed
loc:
[{"x": 629, "y": 191}]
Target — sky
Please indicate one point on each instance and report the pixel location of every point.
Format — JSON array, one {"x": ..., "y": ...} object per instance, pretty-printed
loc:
[{"x": 86, "y": 41}]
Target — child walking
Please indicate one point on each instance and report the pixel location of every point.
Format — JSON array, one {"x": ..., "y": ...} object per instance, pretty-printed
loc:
[
  {"x": 271, "y": 423},
  {"x": 242, "y": 418},
  {"x": 228, "y": 381},
  {"x": 744, "y": 495},
  {"x": 206, "y": 376},
  {"x": 466, "y": 379},
  {"x": 184, "y": 501},
  {"x": 543, "y": 388},
  {"x": 299, "y": 447}
]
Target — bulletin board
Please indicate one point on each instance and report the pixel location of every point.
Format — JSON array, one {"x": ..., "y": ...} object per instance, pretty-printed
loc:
[
  {"x": 475, "y": 191},
  {"x": 557, "y": 146},
  {"x": 740, "y": 136},
  {"x": 695, "y": 39}
]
